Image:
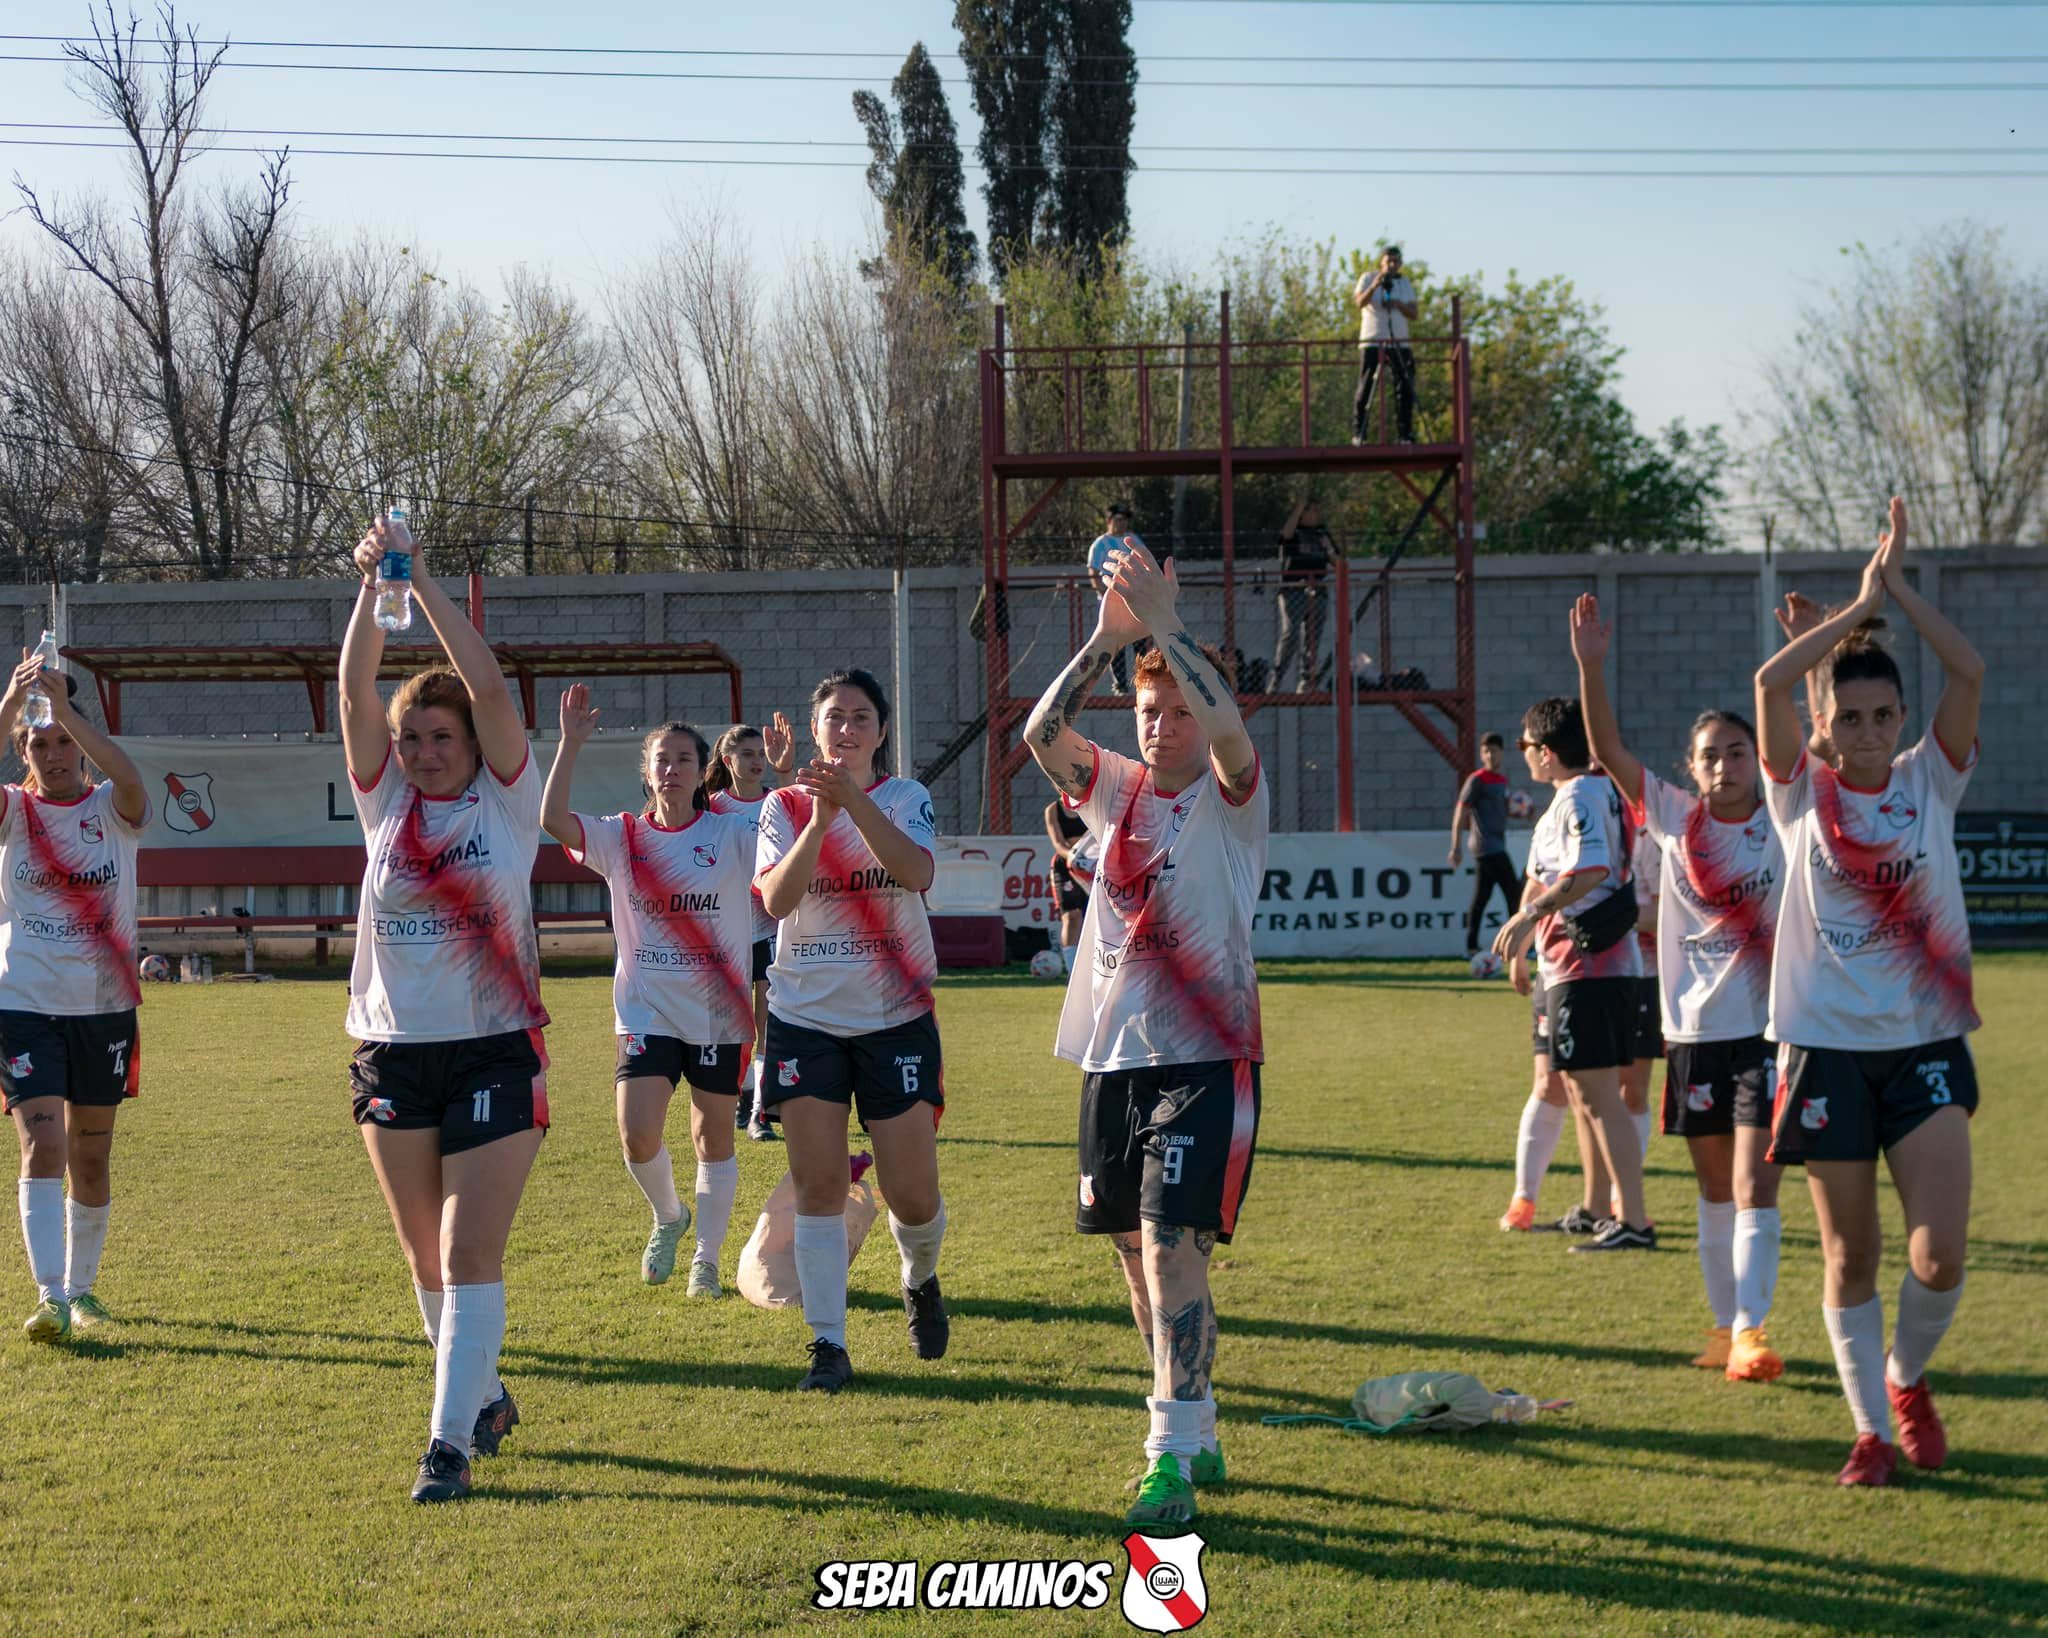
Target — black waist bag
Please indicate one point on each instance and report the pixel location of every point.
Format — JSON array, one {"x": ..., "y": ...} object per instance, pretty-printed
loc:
[{"x": 1607, "y": 923}]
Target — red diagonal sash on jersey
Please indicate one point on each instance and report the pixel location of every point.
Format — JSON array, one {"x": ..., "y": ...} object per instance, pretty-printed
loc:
[
  {"x": 1202, "y": 983},
  {"x": 506, "y": 980},
  {"x": 663, "y": 900},
  {"x": 863, "y": 907},
  {"x": 1748, "y": 916},
  {"x": 91, "y": 906}
]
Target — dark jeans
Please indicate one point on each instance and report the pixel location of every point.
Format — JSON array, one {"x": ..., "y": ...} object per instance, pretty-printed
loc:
[
  {"x": 1376, "y": 358},
  {"x": 1490, "y": 870},
  {"x": 1301, "y": 623}
]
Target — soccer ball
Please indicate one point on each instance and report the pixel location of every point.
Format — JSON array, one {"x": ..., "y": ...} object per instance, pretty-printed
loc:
[
  {"x": 156, "y": 969},
  {"x": 1520, "y": 804},
  {"x": 1485, "y": 964},
  {"x": 1047, "y": 964}
]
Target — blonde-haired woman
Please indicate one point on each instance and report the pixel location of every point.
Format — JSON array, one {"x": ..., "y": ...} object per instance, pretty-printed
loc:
[{"x": 450, "y": 1079}]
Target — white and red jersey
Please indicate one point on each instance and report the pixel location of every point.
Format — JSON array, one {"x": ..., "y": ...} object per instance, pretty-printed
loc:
[
  {"x": 683, "y": 920},
  {"x": 1873, "y": 947},
  {"x": 1717, "y": 912},
  {"x": 1646, "y": 870},
  {"x": 445, "y": 946},
  {"x": 1163, "y": 972},
  {"x": 1586, "y": 827},
  {"x": 67, "y": 943},
  {"x": 726, "y": 801},
  {"x": 855, "y": 955}
]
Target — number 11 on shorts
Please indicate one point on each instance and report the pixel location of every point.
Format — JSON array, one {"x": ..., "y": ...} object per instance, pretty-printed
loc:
[{"x": 480, "y": 1107}]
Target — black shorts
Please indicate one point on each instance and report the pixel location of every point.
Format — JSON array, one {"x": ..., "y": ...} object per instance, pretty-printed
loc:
[
  {"x": 474, "y": 1091},
  {"x": 1648, "y": 1045},
  {"x": 93, "y": 1058},
  {"x": 1839, "y": 1105},
  {"x": 719, "y": 1068},
  {"x": 1067, "y": 892},
  {"x": 1592, "y": 1023},
  {"x": 764, "y": 958},
  {"x": 882, "y": 1074},
  {"x": 1168, "y": 1144},
  {"x": 1712, "y": 1087}
]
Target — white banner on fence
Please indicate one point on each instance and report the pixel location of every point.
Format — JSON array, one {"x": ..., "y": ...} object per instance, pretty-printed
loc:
[
  {"x": 1388, "y": 893},
  {"x": 294, "y": 793}
]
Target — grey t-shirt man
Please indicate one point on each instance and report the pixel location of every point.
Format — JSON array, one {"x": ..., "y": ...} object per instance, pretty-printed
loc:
[{"x": 1485, "y": 799}]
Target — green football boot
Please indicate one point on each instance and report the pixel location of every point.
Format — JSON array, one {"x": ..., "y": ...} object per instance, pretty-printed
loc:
[
  {"x": 1166, "y": 1501},
  {"x": 88, "y": 1311},
  {"x": 658, "y": 1261},
  {"x": 51, "y": 1322}
]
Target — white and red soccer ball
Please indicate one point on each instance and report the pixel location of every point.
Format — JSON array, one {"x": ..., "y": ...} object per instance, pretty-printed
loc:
[
  {"x": 1485, "y": 964},
  {"x": 1047, "y": 964}
]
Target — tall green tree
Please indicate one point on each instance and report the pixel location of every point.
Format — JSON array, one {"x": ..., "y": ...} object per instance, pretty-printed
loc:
[
  {"x": 1093, "y": 108},
  {"x": 1008, "y": 47},
  {"x": 916, "y": 171}
]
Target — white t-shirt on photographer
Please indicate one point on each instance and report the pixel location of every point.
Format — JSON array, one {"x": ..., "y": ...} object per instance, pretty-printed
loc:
[{"x": 1380, "y": 319}]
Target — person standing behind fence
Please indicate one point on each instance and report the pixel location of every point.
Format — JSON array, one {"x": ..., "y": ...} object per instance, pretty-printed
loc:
[
  {"x": 1386, "y": 302},
  {"x": 734, "y": 783},
  {"x": 69, "y": 1052},
  {"x": 1482, "y": 810},
  {"x": 450, "y": 1080},
  {"x": 1305, "y": 553}
]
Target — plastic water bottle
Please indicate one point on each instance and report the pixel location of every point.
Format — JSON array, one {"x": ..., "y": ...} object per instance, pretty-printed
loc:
[
  {"x": 36, "y": 710},
  {"x": 394, "y": 583},
  {"x": 1514, "y": 1407}
]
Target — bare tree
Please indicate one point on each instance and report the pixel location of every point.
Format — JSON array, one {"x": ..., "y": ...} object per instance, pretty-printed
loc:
[
  {"x": 689, "y": 335},
  {"x": 196, "y": 289},
  {"x": 1926, "y": 376}
]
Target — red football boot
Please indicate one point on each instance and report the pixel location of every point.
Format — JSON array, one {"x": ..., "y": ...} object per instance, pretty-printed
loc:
[
  {"x": 1922, "y": 1439},
  {"x": 1870, "y": 1463}
]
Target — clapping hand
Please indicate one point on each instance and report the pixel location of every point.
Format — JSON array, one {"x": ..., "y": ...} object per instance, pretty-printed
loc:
[
  {"x": 579, "y": 716},
  {"x": 778, "y": 744},
  {"x": 830, "y": 786},
  {"x": 1150, "y": 593}
]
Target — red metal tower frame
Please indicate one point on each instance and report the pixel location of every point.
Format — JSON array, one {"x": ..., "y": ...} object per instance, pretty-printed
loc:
[{"x": 1067, "y": 374}]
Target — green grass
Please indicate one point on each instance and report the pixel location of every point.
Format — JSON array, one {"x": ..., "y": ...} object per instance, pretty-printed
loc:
[{"x": 235, "y": 1451}]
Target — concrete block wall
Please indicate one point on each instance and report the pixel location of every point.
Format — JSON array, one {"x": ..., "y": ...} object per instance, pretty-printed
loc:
[{"x": 1689, "y": 634}]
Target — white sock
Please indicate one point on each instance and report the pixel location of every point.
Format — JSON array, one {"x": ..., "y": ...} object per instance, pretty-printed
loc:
[
  {"x": 85, "y": 1237},
  {"x": 1642, "y": 1131},
  {"x": 430, "y": 1311},
  {"x": 1756, "y": 1265},
  {"x": 466, "y": 1362},
  {"x": 1535, "y": 1143},
  {"x": 1176, "y": 1427},
  {"x": 1858, "y": 1336},
  {"x": 754, "y": 1079},
  {"x": 657, "y": 1180},
  {"x": 1717, "y": 1257},
  {"x": 718, "y": 1181},
  {"x": 1066, "y": 958},
  {"x": 42, "y": 1231},
  {"x": 919, "y": 1246},
  {"x": 1923, "y": 1321},
  {"x": 1208, "y": 1428},
  {"x": 821, "y": 1274}
]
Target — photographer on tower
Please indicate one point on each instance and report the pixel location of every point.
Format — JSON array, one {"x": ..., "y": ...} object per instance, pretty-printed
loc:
[{"x": 1386, "y": 302}]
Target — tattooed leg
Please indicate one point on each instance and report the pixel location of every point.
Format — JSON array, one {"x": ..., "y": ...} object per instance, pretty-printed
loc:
[
  {"x": 1131, "y": 1258},
  {"x": 1183, "y": 1316}
]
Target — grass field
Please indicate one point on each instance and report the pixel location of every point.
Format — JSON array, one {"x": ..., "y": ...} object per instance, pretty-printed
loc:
[{"x": 235, "y": 1451}]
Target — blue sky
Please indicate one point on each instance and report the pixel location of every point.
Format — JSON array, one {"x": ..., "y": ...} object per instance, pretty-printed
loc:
[{"x": 1701, "y": 277}]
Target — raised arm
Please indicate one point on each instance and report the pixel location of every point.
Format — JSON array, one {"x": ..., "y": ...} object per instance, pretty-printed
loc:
[
  {"x": 500, "y": 734},
  {"x": 365, "y": 730},
  {"x": 131, "y": 799},
  {"x": 1065, "y": 754},
  {"x": 1152, "y": 594},
  {"x": 579, "y": 722},
  {"x": 1962, "y": 693},
  {"x": 1777, "y": 716},
  {"x": 1799, "y": 616},
  {"x": 1591, "y": 638}
]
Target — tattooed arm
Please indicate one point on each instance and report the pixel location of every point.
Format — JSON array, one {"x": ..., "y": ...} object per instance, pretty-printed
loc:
[
  {"x": 1065, "y": 754},
  {"x": 1152, "y": 594}
]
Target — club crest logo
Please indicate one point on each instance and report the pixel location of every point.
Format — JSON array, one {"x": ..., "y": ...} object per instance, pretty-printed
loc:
[
  {"x": 21, "y": 1068},
  {"x": 635, "y": 1045},
  {"x": 705, "y": 855},
  {"x": 1898, "y": 811},
  {"x": 1755, "y": 834},
  {"x": 1163, "y": 1589},
  {"x": 382, "y": 1109},
  {"x": 1814, "y": 1116},
  {"x": 90, "y": 829},
  {"x": 188, "y": 802},
  {"x": 1087, "y": 1188},
  {"x": 1699, "y": 1099},
  {"x": 785, "y": 1072}
]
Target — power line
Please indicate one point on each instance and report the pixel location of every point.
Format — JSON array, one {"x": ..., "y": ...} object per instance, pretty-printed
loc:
[
  {"x": 1152, "y": 170},
  {"x": 1160, "y": 148},
  {"x": 1892, "y": 88},
  {"x": 1519, "y": 60}
]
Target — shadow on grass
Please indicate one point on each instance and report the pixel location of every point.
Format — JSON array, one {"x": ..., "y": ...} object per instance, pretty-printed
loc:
[{"x": 1667, "y": 1572}]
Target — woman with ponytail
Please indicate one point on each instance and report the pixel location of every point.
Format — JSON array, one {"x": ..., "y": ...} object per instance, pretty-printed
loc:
[
  {"x": 1870, "y": 990},
  {"x": 680, "y": 877}
]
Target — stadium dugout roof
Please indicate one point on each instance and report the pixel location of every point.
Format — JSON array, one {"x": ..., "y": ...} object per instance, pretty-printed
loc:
[{"x": 525, "y": 664}]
